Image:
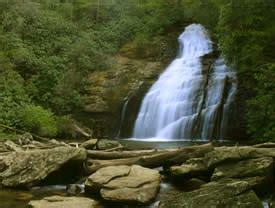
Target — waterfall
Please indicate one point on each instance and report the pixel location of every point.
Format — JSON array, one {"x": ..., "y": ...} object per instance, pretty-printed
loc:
[
  {"x": 221, "y": 90},
  {"x": 185, "y": 102},
  {"x": 122, "y": 117}
]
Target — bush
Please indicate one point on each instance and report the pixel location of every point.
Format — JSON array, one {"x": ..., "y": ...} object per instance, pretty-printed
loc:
[
  {"x": 261, "y": 111},
  {"x": 38, "y": 120},
  {"x": 12, "y": 95}
]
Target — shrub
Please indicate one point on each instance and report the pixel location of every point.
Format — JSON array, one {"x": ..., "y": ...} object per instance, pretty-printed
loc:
[{"x": 38, "y": 120}]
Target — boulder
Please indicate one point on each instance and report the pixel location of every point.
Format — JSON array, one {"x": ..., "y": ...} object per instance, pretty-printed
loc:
[
  {"x": 190, "y": 168},
  {"x": 257, "y": 172},
  {"x": 225, "y": 194},
  {"x": 193, "y": 184},
  {"x": 125, "y": 183},
  {"x": 262, "y": 167},
  {"x": 105, "y": 144},
  {"x": 25, "y": 138},
  {"x": 11, "y": 146},
  {"x": 89, "y": 144},
  {"x": 225, "y": 154},
  {"x": 27, "y": 168},
  {"x": 104, "y": 175},
  {"x": 74, "y": 189},
  {"x": 62, "y": 202}
]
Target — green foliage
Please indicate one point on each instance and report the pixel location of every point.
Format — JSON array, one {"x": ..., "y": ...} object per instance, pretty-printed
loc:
[
  {"x": 205, "y": 12},
  {"x": 246, "y": 36},
  {"x": 261, "y": 113},
  {"x": 37, "y": 120},
  {"x": 48, "y": 48},
  {"x": 12, "y": 96}
]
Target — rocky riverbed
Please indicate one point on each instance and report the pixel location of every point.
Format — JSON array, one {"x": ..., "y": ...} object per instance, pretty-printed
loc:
[{"x": 104, "y": 173}]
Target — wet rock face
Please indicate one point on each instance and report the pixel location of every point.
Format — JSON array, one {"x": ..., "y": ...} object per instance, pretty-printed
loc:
[
  {"x": 125, "y": 184},
  {"x": 64, "y": 202},
  {"x": 26, "y": 168}
]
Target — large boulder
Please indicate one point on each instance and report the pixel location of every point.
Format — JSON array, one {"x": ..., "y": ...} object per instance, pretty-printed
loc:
[
  {"x": 64, "y": 202},
  {"x": 225, "y": 194},
  {"x": 125, "y": 183},
  {"x": 27, "y": 168}
]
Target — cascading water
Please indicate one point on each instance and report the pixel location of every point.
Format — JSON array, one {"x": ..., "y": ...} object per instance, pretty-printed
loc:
[
  {"x": 222, "y": 87},
  {"x": 185, "y": 102}
]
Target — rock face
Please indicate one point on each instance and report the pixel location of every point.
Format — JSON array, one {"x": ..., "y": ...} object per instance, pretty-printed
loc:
[
  {"x": 125, "y": 183},
  {"x": 64, "y": 202},
  {"x": 109, "y": 89},
  {"x": 26, "y": 168},
  {"x": 225, "y": 194}
]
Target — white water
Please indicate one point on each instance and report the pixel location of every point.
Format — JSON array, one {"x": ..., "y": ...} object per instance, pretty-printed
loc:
[{"x": 178, "y": 102}]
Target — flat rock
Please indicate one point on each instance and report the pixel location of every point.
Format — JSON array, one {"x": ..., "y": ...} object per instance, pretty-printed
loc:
[
  {"x": 225, "y": 194},
  {"x": 64, "y": 202},
  {"x": 125, "y": 183},
  {"x": 27, "y": 168}
]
